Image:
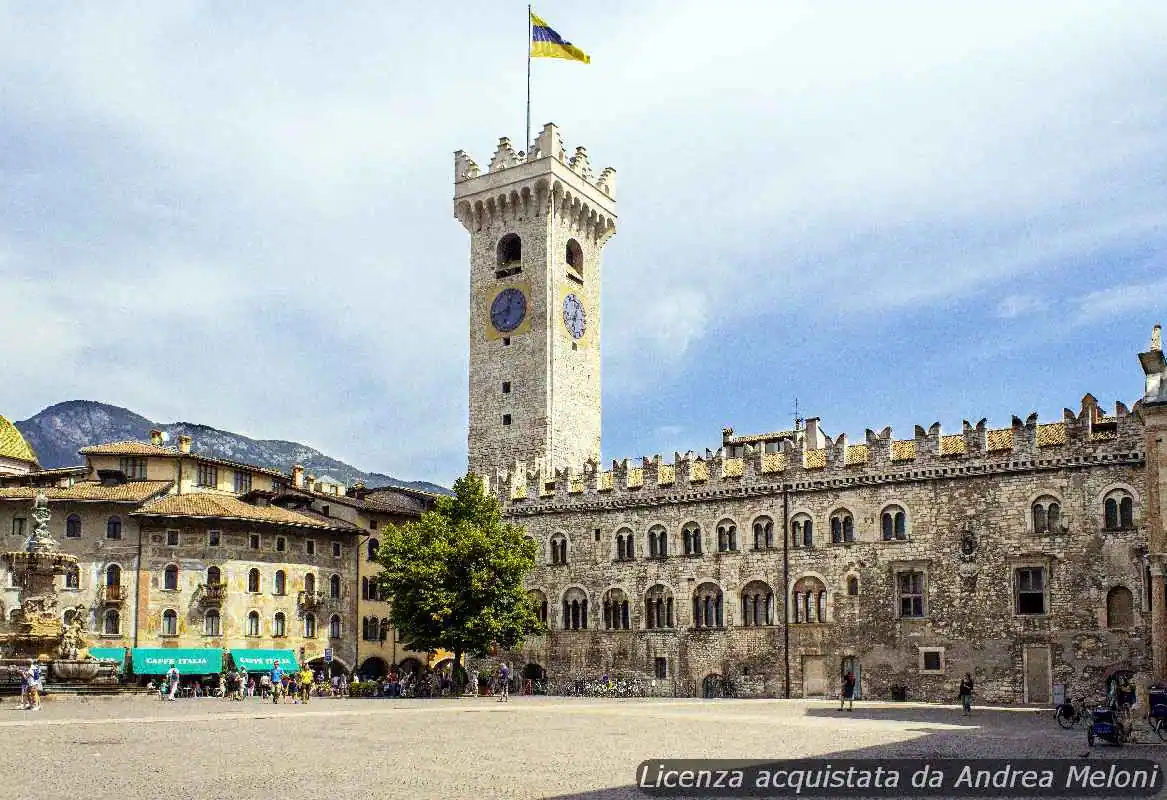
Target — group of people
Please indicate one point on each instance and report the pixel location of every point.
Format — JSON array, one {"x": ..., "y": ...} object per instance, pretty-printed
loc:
[
  {"x": 238, "y": 684},
  {"x": 32, "y": 681}
]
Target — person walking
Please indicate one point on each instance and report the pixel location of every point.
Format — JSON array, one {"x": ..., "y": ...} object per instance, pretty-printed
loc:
[
  {"x": 243, "y": 684},
  {"x": 504, "y": 679},
  {"x": 34, "y": 686},
  {"x": 277, "y": 682},
  {"x": 966, "y": 690},
  {"x": 305, "y": 684},
  {"x": 848, "y": 695},
  {"x": 172, "y": 677}
]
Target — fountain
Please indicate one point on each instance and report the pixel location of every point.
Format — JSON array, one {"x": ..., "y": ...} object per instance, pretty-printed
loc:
[{"x": 36, "y": 630}]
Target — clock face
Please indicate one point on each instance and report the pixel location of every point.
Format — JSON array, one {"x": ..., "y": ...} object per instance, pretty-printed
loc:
[
  {"x": 575, "y": 317},
  {"x": 508, "y": 309}
]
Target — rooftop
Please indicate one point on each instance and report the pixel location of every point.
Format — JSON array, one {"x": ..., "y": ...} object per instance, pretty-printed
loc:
[
  {"x": 13, "y": 445},
  {"x": 213, "y": 506},
  {"x": 91, "y": 492},
  {"x": 136, "y": 448}
]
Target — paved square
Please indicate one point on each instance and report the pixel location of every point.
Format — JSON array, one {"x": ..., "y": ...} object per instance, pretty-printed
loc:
[{"x": 140, "y": 747}]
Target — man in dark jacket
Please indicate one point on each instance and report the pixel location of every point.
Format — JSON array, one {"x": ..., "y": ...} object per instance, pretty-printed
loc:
[{"x": 848, "y": 695}]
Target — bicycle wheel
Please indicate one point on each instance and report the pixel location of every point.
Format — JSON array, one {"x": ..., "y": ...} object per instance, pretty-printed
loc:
[
  {"x": 1160, "y": 728},
  {"x": 1065, "y": 719}
]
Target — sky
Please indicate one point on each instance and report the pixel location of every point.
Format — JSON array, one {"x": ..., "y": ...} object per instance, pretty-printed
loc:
[{"x": 896, "y": 213}]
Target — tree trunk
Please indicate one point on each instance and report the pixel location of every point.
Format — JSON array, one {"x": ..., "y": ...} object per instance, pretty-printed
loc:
[{"x": 457, "y": 672}]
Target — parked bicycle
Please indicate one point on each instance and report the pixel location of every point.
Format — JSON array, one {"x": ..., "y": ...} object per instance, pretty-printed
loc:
[{"x": 1070, "y": 713}]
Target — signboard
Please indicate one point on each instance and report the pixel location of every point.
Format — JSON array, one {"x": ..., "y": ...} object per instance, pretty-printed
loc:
[
  {"x": 328, "y": 655},
  {"x": 1059, "y": 694}
]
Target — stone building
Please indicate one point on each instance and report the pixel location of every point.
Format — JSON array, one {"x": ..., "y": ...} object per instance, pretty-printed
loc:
[
  {"x": 1029, "y": 554},
  {"x": 183, "y": 551}
]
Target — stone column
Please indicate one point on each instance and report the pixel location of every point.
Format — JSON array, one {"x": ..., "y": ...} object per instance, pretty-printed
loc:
[
  {"x": 1158, "y": 641},
  {"x": 1154, "y": 413}
]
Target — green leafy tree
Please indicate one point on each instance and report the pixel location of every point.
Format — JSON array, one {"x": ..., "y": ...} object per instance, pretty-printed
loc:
[{"x": 455, "y": 576}]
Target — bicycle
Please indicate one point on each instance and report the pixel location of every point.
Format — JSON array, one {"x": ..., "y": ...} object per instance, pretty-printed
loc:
[{"x": 1070, "y": 714}]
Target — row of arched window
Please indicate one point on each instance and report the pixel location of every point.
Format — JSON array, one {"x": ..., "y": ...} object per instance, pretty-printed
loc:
[
  {"x": 214, "y": 577},
  {"x": 113, "y": 527}
]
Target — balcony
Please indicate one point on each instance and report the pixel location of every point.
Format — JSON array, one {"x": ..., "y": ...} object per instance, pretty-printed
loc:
[
  {"x": 310, "y": 601},
  {"x": 112, "y": 595},
  {"x": 212, "y": 594}
]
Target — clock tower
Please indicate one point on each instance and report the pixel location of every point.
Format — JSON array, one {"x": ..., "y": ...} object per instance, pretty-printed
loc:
[{"x": 538, "y": 222}]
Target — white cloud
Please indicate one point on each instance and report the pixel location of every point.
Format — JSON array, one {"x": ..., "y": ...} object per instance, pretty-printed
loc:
[
  {"x": 1017, "y": 305},
  {"x": 1116, "y": 301},
  {"x": 243, "y": 217}
]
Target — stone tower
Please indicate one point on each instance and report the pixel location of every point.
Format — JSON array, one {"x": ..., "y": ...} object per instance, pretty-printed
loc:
[{"x": 538, "y": 223}]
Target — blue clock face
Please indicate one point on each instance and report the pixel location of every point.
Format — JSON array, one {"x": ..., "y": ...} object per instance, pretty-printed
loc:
[
  {"x": 575, "y": 317},
  {"x": 508, "y": 309}
]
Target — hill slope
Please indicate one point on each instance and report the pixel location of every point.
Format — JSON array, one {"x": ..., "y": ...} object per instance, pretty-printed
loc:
[{"x": 59, "y": 431}]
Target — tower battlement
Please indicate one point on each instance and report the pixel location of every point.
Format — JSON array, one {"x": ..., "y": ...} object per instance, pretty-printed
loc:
[{"x": 1086, "y": 436}]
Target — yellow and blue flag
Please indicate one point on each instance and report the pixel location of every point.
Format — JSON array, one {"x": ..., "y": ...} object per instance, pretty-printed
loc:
[{"x": 546, "y": 43}]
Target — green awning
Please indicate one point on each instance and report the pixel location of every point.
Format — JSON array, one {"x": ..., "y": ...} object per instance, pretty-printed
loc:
[
  {"x": 262, "y": 660},
  {"x": 117, "y": 654},
  {"x": 157, "y": 661}
]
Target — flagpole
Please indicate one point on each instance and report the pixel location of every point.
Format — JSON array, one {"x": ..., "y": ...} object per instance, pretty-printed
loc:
[{"x": 527, "y": 140}]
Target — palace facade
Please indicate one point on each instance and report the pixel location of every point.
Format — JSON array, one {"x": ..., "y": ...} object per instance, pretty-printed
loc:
[{"x": 1030, "y": 554}]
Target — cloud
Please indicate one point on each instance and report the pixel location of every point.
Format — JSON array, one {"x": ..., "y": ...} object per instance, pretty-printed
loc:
[
  {"x": 1017, "y": 305},
  {"x": 244, "y": 217},
  {"x": 1117, "y": 301}
]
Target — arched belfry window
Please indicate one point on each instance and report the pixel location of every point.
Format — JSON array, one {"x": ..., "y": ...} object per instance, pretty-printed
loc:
[
  {"x": 510, "y": 255},
  {"x": 574, "y": 257}
]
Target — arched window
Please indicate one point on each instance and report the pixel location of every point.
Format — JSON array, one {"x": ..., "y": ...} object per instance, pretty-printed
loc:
[
  {"x": 1118, "y": 511},
  {"x": 658, "y": 607},
  {"x": 559, "y": 549},
  {"x": 309, "y": 626},
  {"x": 253, "y": 580},
  {"x": 281, "y": 583},
  {"x": 625, "y": 549},
  {"x": 894, "y": 524},
  {"x": 113, "y": 528},
  {"x": 574, "y": 256},
  {"x": 364, "y": 588},
  {"x": 334, "y": 587},
  {"x": 73, "y": 578},
  {"x": 113, "y": 575},
  {"x": 757, "y": 604},
  {"x": 211, "y": 625},
  {"x": 1120, "y": 608},
  {"x": 763, "y": 533},
  {"x": 658, "y": 542},
  {"x": 842, "y": 527},
  {"x": 617, "y": 614},
  {"x": 726, "y": 536},
  {"x": 809, "y": 600},
  {"x": 213, "y": 576},
  {"x": 510, "y": 251},
  {"x": 374, "y": 546},
  {"x": 169, "y": 622},
  {"x": 73, "y": 527},
  {"x": 310, "y": 583},
  {"x": 575, "y": 609},
  {"x": 539, "y": 603},
  {"x": 279, "y": 627},
  {"x": 802, "y": 531},
  {"x": 852, "y": 586},
  {"x": 111, "y": 623},
  {"x": 334, "y": 626},
  {"x": 708, "y": 606},
  {"x": 691, "y": 535},
  {"x": 170, "y": 578},
  {"x": 1047, "y": 513},
  {"x": 253, "y": 623}
]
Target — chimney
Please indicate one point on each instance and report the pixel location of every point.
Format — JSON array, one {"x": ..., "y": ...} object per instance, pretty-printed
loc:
[
  {"x": 156, "y": 437},
  {"x": 184, "y": 444},
  {"x": 311, "y": 483},
  {"x": 298, "y": 476},
  {"x": 814, "y": 437}
]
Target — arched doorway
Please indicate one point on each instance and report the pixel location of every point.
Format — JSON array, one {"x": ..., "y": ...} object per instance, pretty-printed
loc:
[
  {"x": 331, "y": 670},
  {"x": 534, "y": 672},
  {"x": 410, "y": 665},
  {"x": 373, "y": 667},
  {"x": 713, "y": 686}
]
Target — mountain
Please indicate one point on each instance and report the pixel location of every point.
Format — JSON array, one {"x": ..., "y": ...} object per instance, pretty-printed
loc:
[{"x": 59, "y": 431}]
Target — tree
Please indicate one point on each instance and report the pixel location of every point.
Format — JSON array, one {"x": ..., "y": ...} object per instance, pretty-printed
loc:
[{"x": 454, "y": 577}]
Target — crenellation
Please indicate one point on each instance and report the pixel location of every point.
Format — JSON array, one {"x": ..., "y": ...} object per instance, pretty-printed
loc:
[{"x": 504, "y": 156}]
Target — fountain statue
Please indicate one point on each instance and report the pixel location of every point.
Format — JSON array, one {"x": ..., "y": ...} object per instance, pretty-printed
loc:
[{"x": 37, "y": 629}]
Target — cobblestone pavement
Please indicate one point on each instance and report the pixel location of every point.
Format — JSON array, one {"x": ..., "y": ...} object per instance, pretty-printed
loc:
[{"x": 137, "y": 747}]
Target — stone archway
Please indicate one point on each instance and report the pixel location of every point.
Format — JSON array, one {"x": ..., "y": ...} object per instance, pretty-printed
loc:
[
  {"x": 373, "y": 667},
  {"x": 714, "y": 685}
]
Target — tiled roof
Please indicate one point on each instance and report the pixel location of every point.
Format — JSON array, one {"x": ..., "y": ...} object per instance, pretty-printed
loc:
[
  {"x": 856, "y": 454},
  {"x": 13, "y": 445},
  {"x": 1001, "y": 439},
  {"x": 953, "y": 445},
  {"x": 91, "y": 491},
  {"x": 380, "y": 503},
  {"x": 666, "y": 475},
  {"x": 733, "y": 468},
  {"x": 903, "y": 450},
  {"x": 699, "y": 472},
  {"x": 773, "y": 462},
  {"x": 816, "y": 459},
  {"x": 605, "y": 481},
  {"x": 216, "y": 506},
  {"x": 635, "y": 477},
  {"x": 136, "y": 448},
  {"x": 1052, "y": 434}
]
